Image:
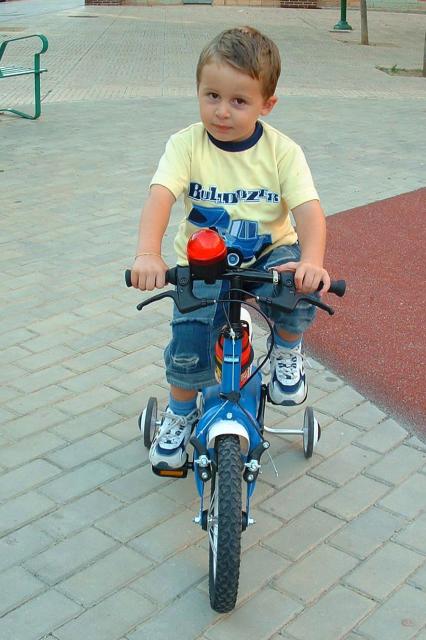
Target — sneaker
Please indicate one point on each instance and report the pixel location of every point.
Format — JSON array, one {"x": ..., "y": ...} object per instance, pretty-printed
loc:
[
  {"x": 288, "y": 384},
  {"x": 168, "y": 450}
]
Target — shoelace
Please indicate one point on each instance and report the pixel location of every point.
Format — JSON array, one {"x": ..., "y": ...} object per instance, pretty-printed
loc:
[
  {"x": 287, "y": 361},
  {"x": 283, "y": 354},
  {"x": 172, "y": 426}
]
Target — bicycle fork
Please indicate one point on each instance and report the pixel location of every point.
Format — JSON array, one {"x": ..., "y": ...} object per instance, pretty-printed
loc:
[{"x": 226, "y": 418}]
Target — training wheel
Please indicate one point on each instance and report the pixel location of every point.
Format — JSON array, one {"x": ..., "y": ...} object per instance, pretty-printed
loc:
[
  {"x": 148, "y": 422},
  {"x": 311, "y": 432}
]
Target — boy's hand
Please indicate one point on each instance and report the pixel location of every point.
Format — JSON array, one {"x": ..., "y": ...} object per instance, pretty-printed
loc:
[
  {"x": 307, "y": 276},
  {"x": 149, "y": 272}
]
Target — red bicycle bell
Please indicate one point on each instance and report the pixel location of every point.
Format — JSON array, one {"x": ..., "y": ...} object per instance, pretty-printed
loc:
[{"x": 206, "y": 251}]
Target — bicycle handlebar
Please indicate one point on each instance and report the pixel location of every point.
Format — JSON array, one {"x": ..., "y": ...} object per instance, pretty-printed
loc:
[
  {"x": 286, "y": 297},
  {"x": 338, "y": 287}
]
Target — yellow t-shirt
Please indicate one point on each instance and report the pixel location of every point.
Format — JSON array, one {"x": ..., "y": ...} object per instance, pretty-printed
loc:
[{"x": 244, "y": 189}]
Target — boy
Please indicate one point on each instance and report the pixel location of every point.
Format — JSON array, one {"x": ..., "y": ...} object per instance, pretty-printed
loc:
[{"x": 236, "y": 172}]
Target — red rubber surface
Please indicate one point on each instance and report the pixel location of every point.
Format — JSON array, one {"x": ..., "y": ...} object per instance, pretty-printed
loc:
[{"x": 377, "y": 338}]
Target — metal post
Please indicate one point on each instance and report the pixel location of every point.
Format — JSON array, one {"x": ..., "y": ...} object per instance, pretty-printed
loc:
[{"x": 342, "y": 25}]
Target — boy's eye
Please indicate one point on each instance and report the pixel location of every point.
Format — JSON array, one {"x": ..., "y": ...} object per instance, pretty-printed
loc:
[
  {"x": 213, "y": 96},
  {"x": 239, "y": 102}
]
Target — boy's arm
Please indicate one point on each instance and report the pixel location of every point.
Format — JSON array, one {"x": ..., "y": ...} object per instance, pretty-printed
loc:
[
  {"x": 149, "y": 268},
  {"x": 311, "y": 231}
]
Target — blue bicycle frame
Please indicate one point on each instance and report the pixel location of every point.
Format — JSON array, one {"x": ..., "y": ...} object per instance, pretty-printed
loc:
[{"x": 227, "y": 409}]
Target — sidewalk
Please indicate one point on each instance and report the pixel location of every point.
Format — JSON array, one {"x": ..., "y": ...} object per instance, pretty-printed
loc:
[{"x": 94, "y": 545}]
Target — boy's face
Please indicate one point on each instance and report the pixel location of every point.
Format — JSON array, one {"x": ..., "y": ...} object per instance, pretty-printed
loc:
[{"x": 230, "y": 102}]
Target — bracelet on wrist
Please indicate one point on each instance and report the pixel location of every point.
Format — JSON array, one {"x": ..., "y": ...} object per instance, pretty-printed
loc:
[{"x": 147, "y": 253}]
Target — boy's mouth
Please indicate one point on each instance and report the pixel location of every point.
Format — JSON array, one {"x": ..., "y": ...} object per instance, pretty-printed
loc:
[{"x": 222, "y": 128}]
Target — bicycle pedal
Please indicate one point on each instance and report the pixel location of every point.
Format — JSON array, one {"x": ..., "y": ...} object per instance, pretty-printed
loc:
[
  {"x": 170, "y": 473},
  {"x": 181, "y": 472}
]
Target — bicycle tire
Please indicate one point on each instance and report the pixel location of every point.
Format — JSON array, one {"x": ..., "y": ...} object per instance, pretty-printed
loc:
[
  {"x": 225, "y": 525},
  {"x": 149, "y": 423},
  {"x": 311, "y": 432}
]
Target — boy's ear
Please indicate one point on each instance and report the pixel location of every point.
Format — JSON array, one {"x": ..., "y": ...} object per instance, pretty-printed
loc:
[{"x": 268, "y": 105}]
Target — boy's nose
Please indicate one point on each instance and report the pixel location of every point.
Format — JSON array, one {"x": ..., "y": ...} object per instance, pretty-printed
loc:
[{"x": 222, "y": 111}]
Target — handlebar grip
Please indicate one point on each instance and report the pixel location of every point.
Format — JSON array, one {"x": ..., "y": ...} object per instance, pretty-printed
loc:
[
  {"x": 170, "y": 276},
  {"x": 338, "y": 287}
]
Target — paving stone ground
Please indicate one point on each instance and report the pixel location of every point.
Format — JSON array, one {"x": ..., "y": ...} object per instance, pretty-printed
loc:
[{"x": 92, "y": 544}]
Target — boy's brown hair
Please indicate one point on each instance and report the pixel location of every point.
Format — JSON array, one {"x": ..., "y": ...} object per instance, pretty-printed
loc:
[{"x": 247, "y": 50}]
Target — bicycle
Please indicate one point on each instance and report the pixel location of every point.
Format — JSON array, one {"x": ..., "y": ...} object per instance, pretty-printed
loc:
[{"x": 228, "y": 439}]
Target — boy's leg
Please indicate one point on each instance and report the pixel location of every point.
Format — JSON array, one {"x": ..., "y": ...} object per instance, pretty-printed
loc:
[
  {"x": 182, "y": 395},
  {"x": 289, "y": 337},
  {"x": 189, "y": 366},
  {"x": 288, "y": 385},
  {"x": 168, "y": 451}
]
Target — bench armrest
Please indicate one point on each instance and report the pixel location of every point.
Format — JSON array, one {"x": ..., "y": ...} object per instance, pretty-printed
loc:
[{"x": 43, "y": 39}]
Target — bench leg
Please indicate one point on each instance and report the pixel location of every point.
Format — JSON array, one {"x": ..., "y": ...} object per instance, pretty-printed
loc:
[
  {"x": 37, "y": 101},
  {"x": 27, "y": 116}
]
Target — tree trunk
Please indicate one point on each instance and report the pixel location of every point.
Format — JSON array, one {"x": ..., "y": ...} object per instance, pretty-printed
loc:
[{"x": 364, "y": 25}]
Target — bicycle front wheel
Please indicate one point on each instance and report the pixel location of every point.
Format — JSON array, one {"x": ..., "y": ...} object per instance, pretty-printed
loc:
[{"x": 224, "y": 525}]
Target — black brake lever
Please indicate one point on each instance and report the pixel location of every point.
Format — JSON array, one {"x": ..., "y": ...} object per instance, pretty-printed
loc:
[
  {"x": 318, "y": 303},
  {"x": 159, "y": 296},
  {"x": 288, "y": 301},
  {"x": 287, "y": 297},
  {"x": 183, "y": 297}
]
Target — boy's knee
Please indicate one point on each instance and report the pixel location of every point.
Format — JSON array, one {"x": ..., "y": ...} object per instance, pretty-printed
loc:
[
  {"x": 298, "y": 321},
  {"x": 189, "y": 351}
]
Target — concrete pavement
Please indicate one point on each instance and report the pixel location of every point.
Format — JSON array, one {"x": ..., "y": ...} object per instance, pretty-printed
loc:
[{"x": 93, "y": 544}]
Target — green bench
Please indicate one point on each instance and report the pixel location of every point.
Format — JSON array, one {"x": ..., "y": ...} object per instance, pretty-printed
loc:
[{"x": 35, "y": 70}]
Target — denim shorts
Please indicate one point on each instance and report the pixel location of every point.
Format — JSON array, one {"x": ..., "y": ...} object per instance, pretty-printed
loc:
[{"x": 189, "y": 357}]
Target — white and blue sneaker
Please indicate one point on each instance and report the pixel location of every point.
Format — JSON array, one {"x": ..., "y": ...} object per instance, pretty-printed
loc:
[
  {"x": 288, "y": 385},
  {"x": 168, "y": 450}
]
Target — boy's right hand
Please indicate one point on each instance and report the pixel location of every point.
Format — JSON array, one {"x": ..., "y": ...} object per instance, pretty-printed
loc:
[{"x": 149, "y": 272}]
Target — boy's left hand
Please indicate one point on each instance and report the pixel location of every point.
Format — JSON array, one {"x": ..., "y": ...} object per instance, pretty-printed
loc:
[{"x": 307, "y": 276}]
